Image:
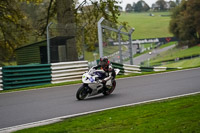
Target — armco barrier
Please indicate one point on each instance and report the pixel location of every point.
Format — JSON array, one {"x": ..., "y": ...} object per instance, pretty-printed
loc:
[
  {"x": 128, "y": 69},
  {"x": 68, "y": 71},
  {"x": 119, "y": 66},
  {"x": 1, "y": 81},
  {"x": 158, "y": 69},
  {"x": 146, "y": 69},
  {"x": 26, "y": 76}
]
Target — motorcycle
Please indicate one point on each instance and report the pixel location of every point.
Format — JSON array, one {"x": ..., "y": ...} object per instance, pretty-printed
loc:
[{"x": 92, "y": 84}]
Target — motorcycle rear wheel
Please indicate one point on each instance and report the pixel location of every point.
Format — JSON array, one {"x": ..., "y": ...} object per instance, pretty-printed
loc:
[
  {"x": 109, "y": 91},
  {"x": 82, "y": 92}
]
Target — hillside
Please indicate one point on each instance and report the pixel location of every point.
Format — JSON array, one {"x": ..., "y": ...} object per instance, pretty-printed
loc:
[
  {"x": 147, "y": 26},
  {"x": 164, "y": 59}
]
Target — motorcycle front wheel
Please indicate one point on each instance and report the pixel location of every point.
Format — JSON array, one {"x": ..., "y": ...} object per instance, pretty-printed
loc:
[
  {"x": 82, "y": 92},
  {"x": 109, "y": 91}
]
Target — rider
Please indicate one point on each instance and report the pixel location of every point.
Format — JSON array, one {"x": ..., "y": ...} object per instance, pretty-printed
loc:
[{"x": 105, "y": 65}]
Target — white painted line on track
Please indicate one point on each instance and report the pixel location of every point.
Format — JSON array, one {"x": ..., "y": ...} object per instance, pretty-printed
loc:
[{"x": 58, "y": 119}]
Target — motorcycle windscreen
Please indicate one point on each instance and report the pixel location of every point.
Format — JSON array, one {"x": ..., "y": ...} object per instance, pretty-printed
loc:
[{"x": 101, "y": 75}]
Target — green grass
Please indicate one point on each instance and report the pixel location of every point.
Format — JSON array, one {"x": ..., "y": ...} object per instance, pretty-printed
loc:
[
  {"x": 147, "y": 26},
  {"x": 148, "y": 45},
  {"x": 180, "y": 115},
  {"x": 167, "y": 44},
  {"x": 108, "y": 50},
  {"x": 175, "y": 53},
  {"x": 185, "y": 63},
  {"x": 90, "y": 57},
  {"x": 153, "y": 45}
]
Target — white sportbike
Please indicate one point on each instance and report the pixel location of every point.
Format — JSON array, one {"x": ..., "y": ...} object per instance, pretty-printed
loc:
[{"x": 92, "y": 84}]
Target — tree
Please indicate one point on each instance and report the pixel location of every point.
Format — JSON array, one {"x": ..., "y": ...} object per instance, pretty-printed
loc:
[
  {"x": 177, "y": 2},
  {"x": 128, "y": 8},
  {"x": 13, "y": 29},
  {"x": 185, "y": 22},
  {"x": 71, "y": 15},
  {"x": 172, "y": 4},
  {"x": 21, "y": 19},
  {"x": 133, "y": 6},
  {"x": 162, "y": 5},
  {"x": 66, "y": 21},
  {"x": 32, "y": 12},
  {"x": 91, "y": 14},
  {"x": 141, "y": 6}
]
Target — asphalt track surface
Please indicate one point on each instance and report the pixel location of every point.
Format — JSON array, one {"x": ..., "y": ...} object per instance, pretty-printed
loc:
[{"x": 23, "y": 107}]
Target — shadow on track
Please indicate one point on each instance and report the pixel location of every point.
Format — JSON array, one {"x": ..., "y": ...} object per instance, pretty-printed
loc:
[{"x": 99, "y": 97}]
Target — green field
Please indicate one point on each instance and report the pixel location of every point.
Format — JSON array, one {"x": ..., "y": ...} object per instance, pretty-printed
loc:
[
  {"x": 177, "y": 53},
  {"x": 179, "y": 115},
  {"x": 145, "y": 27},
  {"x": 167, "y": 44},
  {"x": 148, "y": 26},
  {"x": 185, "y": 63}
]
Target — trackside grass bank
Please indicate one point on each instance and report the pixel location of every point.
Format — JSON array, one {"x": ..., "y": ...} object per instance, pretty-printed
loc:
[
  {"x": 180, "y": 115},
  {"x": 147, "y": 26},
  {"x": 185, "y": 63},
  {"x": 176, "y": 53}
]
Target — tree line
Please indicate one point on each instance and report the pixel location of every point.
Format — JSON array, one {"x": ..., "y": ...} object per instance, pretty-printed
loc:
[
  {"x": 185, "y": 18},
  {"x": 185, "y": 22},
  {"x": 160, "y": 5}
]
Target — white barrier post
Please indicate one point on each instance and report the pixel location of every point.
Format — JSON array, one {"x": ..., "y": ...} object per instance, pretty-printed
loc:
[{"x": 158, "y": 69}]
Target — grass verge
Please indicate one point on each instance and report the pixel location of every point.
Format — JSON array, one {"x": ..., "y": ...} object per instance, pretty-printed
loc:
[
  {"x": 175, "y": 115},
  {"x": 167, "y": 44},
  {"x": 176, "y": 53},
  {"x": 185, "y": 63}
]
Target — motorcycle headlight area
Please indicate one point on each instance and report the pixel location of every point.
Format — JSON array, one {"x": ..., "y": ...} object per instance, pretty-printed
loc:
[{"x": 91, "y": 79}]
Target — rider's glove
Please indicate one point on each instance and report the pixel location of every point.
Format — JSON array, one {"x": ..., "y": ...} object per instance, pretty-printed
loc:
[{"x": 103, "y": 81}]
